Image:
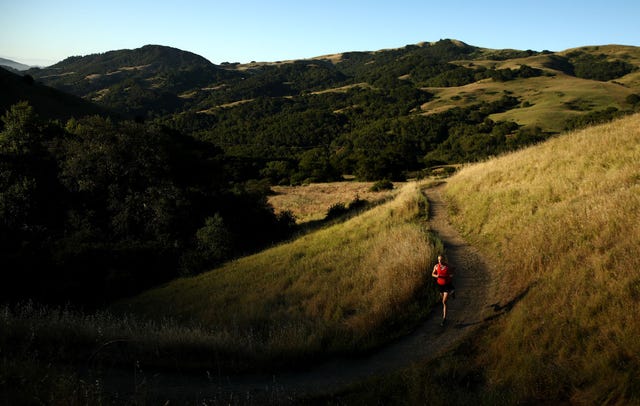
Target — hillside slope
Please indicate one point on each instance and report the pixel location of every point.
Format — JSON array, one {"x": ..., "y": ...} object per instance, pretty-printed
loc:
[
  {"x": 47, "y": 102},
  {"x": 166, "y": 80},
  {"x": 133, "y": 81},
  {"x": 333, "y": 374},
  {"x": 376, "y": 115},
  {"x": 342, "y": 289},
  {"x": 561, "y": 223}
]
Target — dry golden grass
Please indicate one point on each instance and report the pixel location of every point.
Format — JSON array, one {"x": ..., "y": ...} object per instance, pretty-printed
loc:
[
  {"x": 548, "y": 97},
  {"x": 212, "y": 110},
  {"x": 344, "y": 89},
  {"x": 334, "y": 58},
  {"x": 561, "y": 223},
  {"x": 311, "y": 202},
  {"x": 337, "y": 289}
]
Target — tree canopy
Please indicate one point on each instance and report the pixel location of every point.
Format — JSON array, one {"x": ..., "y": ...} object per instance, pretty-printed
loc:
[{"x": 134, "y": 203}]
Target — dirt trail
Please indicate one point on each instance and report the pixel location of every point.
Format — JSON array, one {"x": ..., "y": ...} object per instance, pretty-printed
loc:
[{"x": 465, "y": 312}]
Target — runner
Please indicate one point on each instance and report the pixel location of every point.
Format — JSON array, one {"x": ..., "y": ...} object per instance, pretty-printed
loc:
[{"x": 444, "y": 274}]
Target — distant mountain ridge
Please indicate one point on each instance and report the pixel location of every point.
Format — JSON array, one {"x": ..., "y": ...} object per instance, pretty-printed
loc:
[
  {"x": 13, "y": 64},
  {"x": 132, "y": 80},
  {"x": 165, "y": 80},
  {"x": 378, "y": 114},
  {"x": 148, "y": 54}
]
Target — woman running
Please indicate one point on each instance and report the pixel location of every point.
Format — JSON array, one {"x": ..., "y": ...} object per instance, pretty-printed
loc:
[{"x": 444, "y": 274}]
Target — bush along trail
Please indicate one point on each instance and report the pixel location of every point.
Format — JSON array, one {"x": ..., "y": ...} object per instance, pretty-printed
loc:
[{"x": 427, "y": 341}]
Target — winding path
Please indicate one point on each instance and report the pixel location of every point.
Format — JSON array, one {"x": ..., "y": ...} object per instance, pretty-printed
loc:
[{"x": 465, "y": 312}]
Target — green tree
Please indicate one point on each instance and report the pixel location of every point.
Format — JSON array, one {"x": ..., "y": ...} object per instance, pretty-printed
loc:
[
  {"x": 29, "y": 188},
  {"x": 599, "y": 67},
  {"x": 278, "y": 172},
  {"x": 18, "y": 139},
  {"x": 315, "y": 166},
  {"x": 20, "y": 135},
  {"x": 30, "y": 199},
  {"x": 213, "y": 240}
]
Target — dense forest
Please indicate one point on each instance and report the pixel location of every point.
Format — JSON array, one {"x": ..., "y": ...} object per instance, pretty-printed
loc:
[
  {"x": 125, "y": 169},
  {"x": 98, "y": 208}
]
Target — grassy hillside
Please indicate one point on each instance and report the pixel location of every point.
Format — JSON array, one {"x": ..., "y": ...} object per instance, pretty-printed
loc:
[
  {"x": 547, "y": 101},
  {"x": 561, "y": 222},
  {"x": 344, "y": 288},
  {"x": 560, "y": 225}
]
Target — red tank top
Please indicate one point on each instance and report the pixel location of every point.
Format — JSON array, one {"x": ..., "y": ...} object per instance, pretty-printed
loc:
[{"x": 443, "y": 274}]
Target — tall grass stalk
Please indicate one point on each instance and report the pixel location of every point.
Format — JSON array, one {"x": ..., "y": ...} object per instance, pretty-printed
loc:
[{"x": 561, "y": 223}]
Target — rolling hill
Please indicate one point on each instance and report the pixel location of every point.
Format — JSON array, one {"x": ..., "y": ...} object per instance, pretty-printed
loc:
[
  {"x": 378, "y": 114},
  {"x": 560, "y": 221},
  {"x": 558, "y": 224},
  {"x": 559, "y": 91},
  {"x": 133, "y": 81},
  {"x": 13, "y": 64},
  {"x": 549, "y": 100}
]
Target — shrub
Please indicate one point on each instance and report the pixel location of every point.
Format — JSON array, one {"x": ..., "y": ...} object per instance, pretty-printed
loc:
[
  {"x": 337, "y": 210},
  {"x": 633, "y": 99},
  {"x": 384, "y": 184}
]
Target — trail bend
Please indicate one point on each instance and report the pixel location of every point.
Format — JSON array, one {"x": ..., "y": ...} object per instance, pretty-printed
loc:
[{"x": 429, "y": 340}]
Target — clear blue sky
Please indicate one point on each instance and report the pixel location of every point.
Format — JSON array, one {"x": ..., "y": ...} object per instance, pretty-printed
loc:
[{"x": 44, "y": 31}]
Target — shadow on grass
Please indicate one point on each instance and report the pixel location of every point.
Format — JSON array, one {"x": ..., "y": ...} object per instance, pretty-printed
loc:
[
  {"x": 500, "y": 309},
  {"x": 339, "y": 213}
]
